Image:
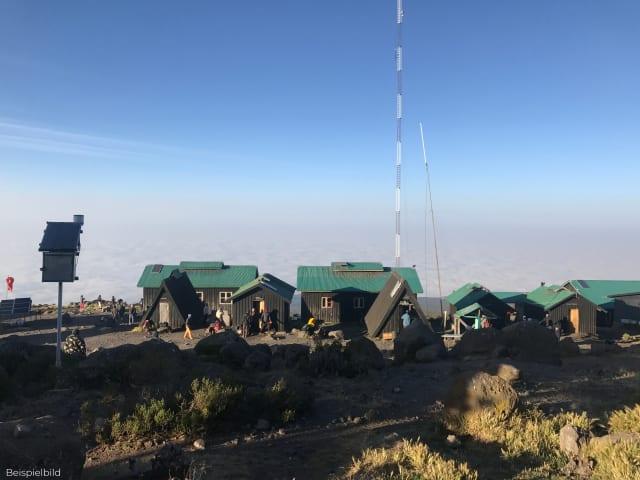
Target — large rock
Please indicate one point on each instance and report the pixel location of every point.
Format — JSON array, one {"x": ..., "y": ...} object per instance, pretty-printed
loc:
[
  {"x": 293, "y": 354},
  {"x": 212, "y": 344},
  {"x": 568, "y": 348},
  {"x": 45, "y": 442},
  {"x": 472, "y": 391},
  {"x": 429, "y": 354},
  {"x": 153, "y": 362},
  {"x": 257, "y": 360},
  {"x": 412, "y": 339},
  {"x": 507, "y": 372},
  {"x": 572, "y": 440},
  {"x": 29, "y": 367},
  {"x": 262, "y": 348},
  {"x": 234, "y": 353},
  {"x": 361, "y": 354},
  {"x": 483, "y": 341},
  {"x": 599, "y": 443},
  {"x": 531, "y": 342}
]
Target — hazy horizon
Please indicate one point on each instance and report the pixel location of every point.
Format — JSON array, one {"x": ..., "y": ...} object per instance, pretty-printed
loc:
[{"x": 264, "y": 133}]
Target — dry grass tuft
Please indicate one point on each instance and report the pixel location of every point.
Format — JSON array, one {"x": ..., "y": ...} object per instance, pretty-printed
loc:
[
  {"x": 619, "y": 461},
  {"x": 407, "y": 460},
  {"x": 626, "y": 420}
]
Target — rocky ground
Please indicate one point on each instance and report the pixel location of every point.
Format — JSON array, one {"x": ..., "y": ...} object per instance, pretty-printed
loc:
[{"x": 350, "y": 412}]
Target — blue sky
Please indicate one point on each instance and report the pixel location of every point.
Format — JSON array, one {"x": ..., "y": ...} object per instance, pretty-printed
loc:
[{"x": 211, "y": 109}]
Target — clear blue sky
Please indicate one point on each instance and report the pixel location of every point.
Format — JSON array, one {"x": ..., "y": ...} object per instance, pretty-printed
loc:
[{"x": 531, "y": 112}]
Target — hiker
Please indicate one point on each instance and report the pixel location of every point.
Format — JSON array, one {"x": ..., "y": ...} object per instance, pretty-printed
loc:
[
  {"x": 245, "y": 325},
  {"x": 273, "y": 320},
  {"x": 82, "y": 304},
  {"x": 187, "y": 328},
  {"x": 406, "y": 319},
  {"x": 74, "y": 346},
  {"x": 219, "y": 313},
  {"x": 486, "y": 323},
  {"x": 557, "y": 327},
  {"x": 100, "y": 302},
  {"x": 310, "y": 327},
  {"x": 147, "y": 326},
  {"x": 206, "y": 311},
  {"x": 264, "y": 321},
  {"x": 132, "y": 314},
  {"x": 122, "y": 310},
  {"x": 254, "y": 322}
]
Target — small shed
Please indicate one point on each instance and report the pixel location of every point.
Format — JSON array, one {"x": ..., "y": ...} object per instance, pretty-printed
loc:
[
  {"x": 471, "y": 293},
  {"x": 626, "y": 309},
  {"x": 467, "y": 316},
  {"x": 265, "y": 293},
  {"x": 575, "y": 313},
  {"x": 389, "y": 305},
  {"x": 600, "y": 294},
  {"x": 175, "y": 300}
]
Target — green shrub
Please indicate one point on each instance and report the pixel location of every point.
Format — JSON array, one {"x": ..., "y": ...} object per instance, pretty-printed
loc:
[
  {"x": 287, "y": 399},
  {"x": 149, "y": 418},
  {"x": 211, "y": 401}
]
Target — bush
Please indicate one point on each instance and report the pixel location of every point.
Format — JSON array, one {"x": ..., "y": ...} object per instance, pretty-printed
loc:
[
  {"x": 147, "y": 419},
  {"x": 286, "y": 400},
  {"x": 626, "y": 420},
  {"x": 211, "y": 400},
  {"x": 619, "y": 461},
  {"x": 408, "y": 461}
]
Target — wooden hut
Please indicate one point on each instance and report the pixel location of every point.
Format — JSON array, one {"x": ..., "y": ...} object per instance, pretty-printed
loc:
[
  {"x": 174, "y": 301},
  {"x": 393, "y": 300},
  {"x": 214, "y": 282},
  {"x": 265, "y": 293},
  {"x": 345, "y": 291},
  {"x": 471, "y": 293},
  {"x": 599, "y": 296},
  {"x": 626, "y": 309}
]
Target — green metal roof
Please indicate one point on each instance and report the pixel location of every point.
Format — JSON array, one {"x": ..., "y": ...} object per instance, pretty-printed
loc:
[
  {"x": 470, "y": 311},
  {"x": 548, "y": 296},
  {"x": 511, "y": 297},
  {"x": 201, "y": 265},
  {"x": 357, "y": 267},
  {"x": 474, "y": 289},
  {"x": 267, "y": 280},
  {"x": 225, "y": 276},
  {"x": 599, "y": 291},
  {"x": 327, "y": 279}
]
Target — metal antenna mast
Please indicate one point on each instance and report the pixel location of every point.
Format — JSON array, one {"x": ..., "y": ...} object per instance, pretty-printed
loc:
[
  {"x": 429, "y": 200},
  {"x": 399, "y": 15}
]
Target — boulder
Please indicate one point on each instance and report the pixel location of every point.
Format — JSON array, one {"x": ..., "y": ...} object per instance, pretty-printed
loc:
[
  {"x": 361, "y": 354},
  {"x": 294, "y": 354},
  {"x": 477, "y": 342},
  {"x": 34, "y": 446},
  {"x": 428, "y": 354},
  {"x": 568, "y": 348},
  {"x": 263, "y": 348},
  {"x": 234, "y": 353},
  {"x": 571, "y": 441},
  {"x": 336, "y": 334},
  {"x": 199, "y": 444},
  {"x": 212, "y": 344},
  {"x": 531, "y": 342},
  {"x": 258, "y": 360},
  {"x": 471, "y": 391},
  {"x": 599, "y": 443},
  {"x": 412, "y": 339},
  {"x": 507, "y": 372},
  {"x": 5, "y": 389}
]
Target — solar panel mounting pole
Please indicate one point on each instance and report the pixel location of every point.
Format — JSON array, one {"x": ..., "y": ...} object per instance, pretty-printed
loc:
[
  {"x": 399, "y": 15},
  {"x": 59, "y": 328}
]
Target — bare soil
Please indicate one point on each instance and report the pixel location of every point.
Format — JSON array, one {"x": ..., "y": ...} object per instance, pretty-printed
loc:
[{"x": 349, "y": 415}]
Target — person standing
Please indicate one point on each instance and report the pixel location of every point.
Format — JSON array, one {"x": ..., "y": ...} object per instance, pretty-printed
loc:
[
  {"x": 406, "y": 319},
  {"x": 206, "y": 311},
  {"x": 132, "y": 314},
  {"x": 187, "y": 328}
]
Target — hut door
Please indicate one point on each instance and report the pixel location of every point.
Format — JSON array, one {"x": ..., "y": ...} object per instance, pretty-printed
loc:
[
  {"x": 164, "y": 312},
  {"x": 574, "y": 318}
]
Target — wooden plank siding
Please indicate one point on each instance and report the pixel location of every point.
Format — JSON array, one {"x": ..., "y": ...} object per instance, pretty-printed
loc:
[
  {"x": 588, "y": 315},
  {"x": 343, "y": 309},
  {"x": 627, "y": 308},
  {"x": 272, "y": 302},
  {"x": 211, "y": 296}
]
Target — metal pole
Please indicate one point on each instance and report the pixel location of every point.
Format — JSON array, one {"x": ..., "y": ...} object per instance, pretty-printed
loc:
[
  {"x": 59, "y": 328},
  {"x": 399, "y": 67}
]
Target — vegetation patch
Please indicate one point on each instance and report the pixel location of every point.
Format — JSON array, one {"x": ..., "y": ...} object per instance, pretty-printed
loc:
[
  {"x": 625, "y": 420},
  {"x": 408, "y": 460}
]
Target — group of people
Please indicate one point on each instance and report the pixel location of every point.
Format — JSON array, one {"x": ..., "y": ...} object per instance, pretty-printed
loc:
[
  {"x": 214, "y": 319},
  {"x": 256, "y": 322}
]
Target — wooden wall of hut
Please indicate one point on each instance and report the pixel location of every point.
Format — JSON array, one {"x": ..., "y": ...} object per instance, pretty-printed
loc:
[
  {"x": 273, "y": 302},
  {"x": 210, "y": 295},
  {"x": 343, "y": 308}
]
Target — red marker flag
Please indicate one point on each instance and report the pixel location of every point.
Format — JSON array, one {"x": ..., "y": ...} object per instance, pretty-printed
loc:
[{"x": 9, "y": 284}]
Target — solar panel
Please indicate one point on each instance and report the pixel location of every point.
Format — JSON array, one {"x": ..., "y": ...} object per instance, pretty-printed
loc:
[
  {"x": 61, "y": 237},
  {"x": 157, "y": 268},
  {"x": 17, "y": 306},
  {"x": 583, "y": 284}
]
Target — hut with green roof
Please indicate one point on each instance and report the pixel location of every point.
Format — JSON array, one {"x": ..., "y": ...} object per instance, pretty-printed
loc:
[
  {"x": 345, "y": 291},
  {"x": 214, "y": 283}
]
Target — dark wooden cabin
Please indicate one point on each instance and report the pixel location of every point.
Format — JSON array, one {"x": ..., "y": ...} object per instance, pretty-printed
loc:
[
  {"x": 472, "y": 293},
  {"x": 393, "y": 300},
  {"x": 601, "y": 294},
  {"x": 626, "y": 309},
  {"x": 174, "y": 301},
  {"x": 345, "y": 291},
  {"x": 214, "y": 282},
  {"x": 265, "y": 293}
]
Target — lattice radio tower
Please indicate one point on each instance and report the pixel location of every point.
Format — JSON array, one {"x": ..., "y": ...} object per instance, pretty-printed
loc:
[{"x": 399, "y": 15}]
